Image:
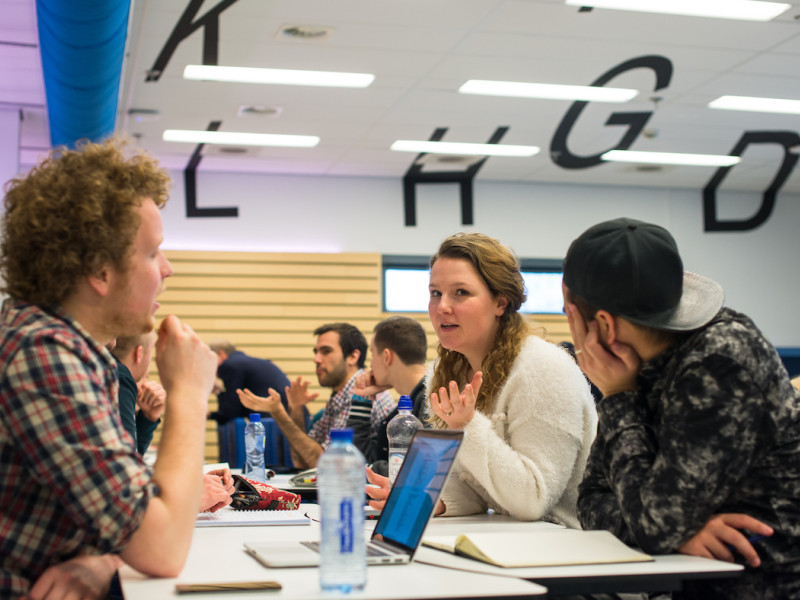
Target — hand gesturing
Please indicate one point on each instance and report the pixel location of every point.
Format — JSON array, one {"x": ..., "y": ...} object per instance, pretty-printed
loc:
[{"x": 457, "y": 408}]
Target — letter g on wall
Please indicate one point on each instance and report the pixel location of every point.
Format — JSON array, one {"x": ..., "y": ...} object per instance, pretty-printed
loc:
[{"x": 636, "y": 121}]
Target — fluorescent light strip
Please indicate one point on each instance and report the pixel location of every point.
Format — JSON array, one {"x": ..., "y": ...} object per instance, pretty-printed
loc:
[
  {"x": 751, "y": 103},
  {"x": 239, "y": 139},
  {"x": 277, "y": 76},
  {"x": 548, "y": 91},
  {"x": 463, "y": 148},
  {"x": 746, "y": 10},
  {"x": 671, "y": 158}
]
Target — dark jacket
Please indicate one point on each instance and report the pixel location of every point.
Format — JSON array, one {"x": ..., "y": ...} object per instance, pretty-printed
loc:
[
  {"x": 240, "y": 371},
  {"x": 714, "y": 427}
]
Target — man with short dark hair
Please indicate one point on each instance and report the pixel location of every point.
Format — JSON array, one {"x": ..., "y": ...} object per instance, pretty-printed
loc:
[
  {"x": 239, "y": 371},
  {"x": 398, "y": 349},
  {"x": 82, "y": 265},
  {"x": 698, "y": 443},
  {"x": 339, "y": 356}
]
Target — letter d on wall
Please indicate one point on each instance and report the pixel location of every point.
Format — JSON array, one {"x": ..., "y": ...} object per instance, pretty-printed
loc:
[{"x": 787, "y": 139}]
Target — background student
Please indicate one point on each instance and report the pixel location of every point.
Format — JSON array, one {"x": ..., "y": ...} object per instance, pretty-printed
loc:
[
  {"x": 398, "y": 349},
  {"x": 339, "y": 355}
]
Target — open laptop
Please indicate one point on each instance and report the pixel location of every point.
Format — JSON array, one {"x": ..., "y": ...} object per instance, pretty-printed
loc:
[{"x": 409, "y": 507}]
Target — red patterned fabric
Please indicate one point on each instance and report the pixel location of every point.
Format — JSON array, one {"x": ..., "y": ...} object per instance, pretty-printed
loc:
[{"x": 269, "y": 498}]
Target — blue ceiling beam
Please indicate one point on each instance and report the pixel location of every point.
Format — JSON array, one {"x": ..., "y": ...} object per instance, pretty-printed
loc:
[{"x": 82, "y": 45}]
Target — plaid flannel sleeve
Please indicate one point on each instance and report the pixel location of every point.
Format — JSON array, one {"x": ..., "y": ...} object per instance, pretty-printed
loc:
[{"x": 64, "y": 420}]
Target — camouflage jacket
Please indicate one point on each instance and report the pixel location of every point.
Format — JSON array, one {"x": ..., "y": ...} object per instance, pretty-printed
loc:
[{"x": 713, "y": 427}]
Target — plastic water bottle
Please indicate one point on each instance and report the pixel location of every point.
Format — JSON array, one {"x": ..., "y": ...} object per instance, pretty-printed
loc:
[
  {"x": 255, "y": 438},
  {"x": 400, "y": 430},
  {"x": 341, "y": 480}
]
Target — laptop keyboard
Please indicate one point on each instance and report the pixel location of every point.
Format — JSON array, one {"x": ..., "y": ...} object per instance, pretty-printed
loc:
[
  {"x": 375, "y": 551},
  {"x": 371, "y": 549}
]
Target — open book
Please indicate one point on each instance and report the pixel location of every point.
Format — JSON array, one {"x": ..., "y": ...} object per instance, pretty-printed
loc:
[{"x": 546, "y": 548}]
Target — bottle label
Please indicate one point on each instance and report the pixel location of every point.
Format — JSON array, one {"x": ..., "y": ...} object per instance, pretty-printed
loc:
[
  {"x": 395, "y": 462},
  {"x": 346, "y": 522}
]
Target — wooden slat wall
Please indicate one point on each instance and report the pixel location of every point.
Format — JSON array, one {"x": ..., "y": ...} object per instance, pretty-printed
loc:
[{"x": 268, "y": 305}]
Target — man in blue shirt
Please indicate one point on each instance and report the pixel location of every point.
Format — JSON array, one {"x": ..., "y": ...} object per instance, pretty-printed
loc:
[{"x": 238, "y": 371}]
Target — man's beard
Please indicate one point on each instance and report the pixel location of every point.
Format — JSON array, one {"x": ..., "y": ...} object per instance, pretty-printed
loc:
[
  {"x": 122, "y": 323},
  {"x": 333, "y": 378}
]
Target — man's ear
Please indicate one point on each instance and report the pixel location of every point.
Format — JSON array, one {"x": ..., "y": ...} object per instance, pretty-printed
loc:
[
  {"x": 100, "y": 281},
  {"x": 138, "y": 354},
  {"x": 388, "y": 356},
  {"x": 607, "y": 326},
  {"x": 352, "y": 359}
]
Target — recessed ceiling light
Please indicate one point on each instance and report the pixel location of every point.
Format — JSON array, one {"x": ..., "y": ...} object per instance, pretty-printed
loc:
[
  {"x": 232, "y": 150},
  {"x": 748, "y": 10},
  {"x": 277, "y": 76},
  {"x": 463, "y": 148},
  {"x": 253, "y": 110},
  {"x": 516, "y": 89},
  {"x": 144, "y": 115},
  {"x": 232, "y": 138},
  {"x": 305, "y": 32},
  {"x": 671, "y": 158},
  {"x": 751, "y": 103}
]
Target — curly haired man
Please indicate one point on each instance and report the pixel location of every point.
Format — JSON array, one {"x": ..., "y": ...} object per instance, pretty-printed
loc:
[{"x": 82, "y": 264}]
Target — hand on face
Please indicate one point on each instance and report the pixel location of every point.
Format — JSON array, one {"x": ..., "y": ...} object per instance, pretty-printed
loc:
[
  {"x": 365, "y": 385},
  {"x": 612, "y": 368},
  {"x": 454, "y": 408},
  {"x": 259, "y": 403},
  {"x": 721, "y": 536}
]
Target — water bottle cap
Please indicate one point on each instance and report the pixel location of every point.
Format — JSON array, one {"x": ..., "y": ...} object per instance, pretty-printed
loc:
[
  {"x": 405, "y": 403},
  {"x": 255, "y": 417},
  {"x": 342, "y": 435}
]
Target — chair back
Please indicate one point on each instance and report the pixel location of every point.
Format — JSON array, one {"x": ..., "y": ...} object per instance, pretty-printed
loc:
[{"x": 230, "y": 438}]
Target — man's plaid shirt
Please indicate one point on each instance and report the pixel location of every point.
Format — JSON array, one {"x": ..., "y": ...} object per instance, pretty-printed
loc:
[
  {"x": 337, "y": 412},
  {"x": 70, "y": 481}
]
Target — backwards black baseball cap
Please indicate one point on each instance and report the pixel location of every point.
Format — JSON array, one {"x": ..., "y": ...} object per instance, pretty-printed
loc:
[{"x": 632, "y": 269}]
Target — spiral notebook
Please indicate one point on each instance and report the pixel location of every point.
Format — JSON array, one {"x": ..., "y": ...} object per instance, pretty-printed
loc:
[
  {"x": 408, "y": 509},
  {"x": 227, "y": 517}
]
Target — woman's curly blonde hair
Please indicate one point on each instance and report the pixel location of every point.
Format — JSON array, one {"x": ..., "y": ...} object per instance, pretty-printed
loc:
[
  {"x": 71, "y": 215},
  {"x": 499, "y": 269}
]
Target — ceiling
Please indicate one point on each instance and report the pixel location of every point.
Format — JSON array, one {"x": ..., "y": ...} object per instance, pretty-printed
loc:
[{"x": 420, "y": 52}]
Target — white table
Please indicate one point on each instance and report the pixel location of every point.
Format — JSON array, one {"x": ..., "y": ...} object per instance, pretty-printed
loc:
[
  {"x": 666, "y": 573},
  {"x": 217, "y": 555}
]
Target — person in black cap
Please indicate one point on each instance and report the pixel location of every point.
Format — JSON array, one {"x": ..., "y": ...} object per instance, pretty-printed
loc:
[{"x": 698, "y": 443}]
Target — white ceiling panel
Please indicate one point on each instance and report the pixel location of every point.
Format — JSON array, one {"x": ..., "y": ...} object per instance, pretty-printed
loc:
[{"x": 421, "y": 52}]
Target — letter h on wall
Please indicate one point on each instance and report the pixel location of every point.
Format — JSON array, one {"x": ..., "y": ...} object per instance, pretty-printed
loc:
[{"x": 464, "y": 178}]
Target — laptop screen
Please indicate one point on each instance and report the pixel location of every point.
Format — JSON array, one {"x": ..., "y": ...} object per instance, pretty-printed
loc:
[{"x": 417, "y": 488}]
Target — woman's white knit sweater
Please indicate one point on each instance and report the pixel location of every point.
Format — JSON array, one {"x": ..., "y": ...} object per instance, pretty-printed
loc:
[{"x": 527, "y": 458}]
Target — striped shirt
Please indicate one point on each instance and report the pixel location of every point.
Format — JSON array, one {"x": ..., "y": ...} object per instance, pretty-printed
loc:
[
  {"x": 70, "y": 481},
  {"x": 337, "y": 412}
]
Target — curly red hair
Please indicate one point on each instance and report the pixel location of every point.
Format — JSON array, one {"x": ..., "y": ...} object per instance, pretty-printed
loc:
[{"x": 73, "y": 214}]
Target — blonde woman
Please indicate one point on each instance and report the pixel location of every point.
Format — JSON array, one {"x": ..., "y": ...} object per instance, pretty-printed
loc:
[{"x": 525, "y": 407}]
